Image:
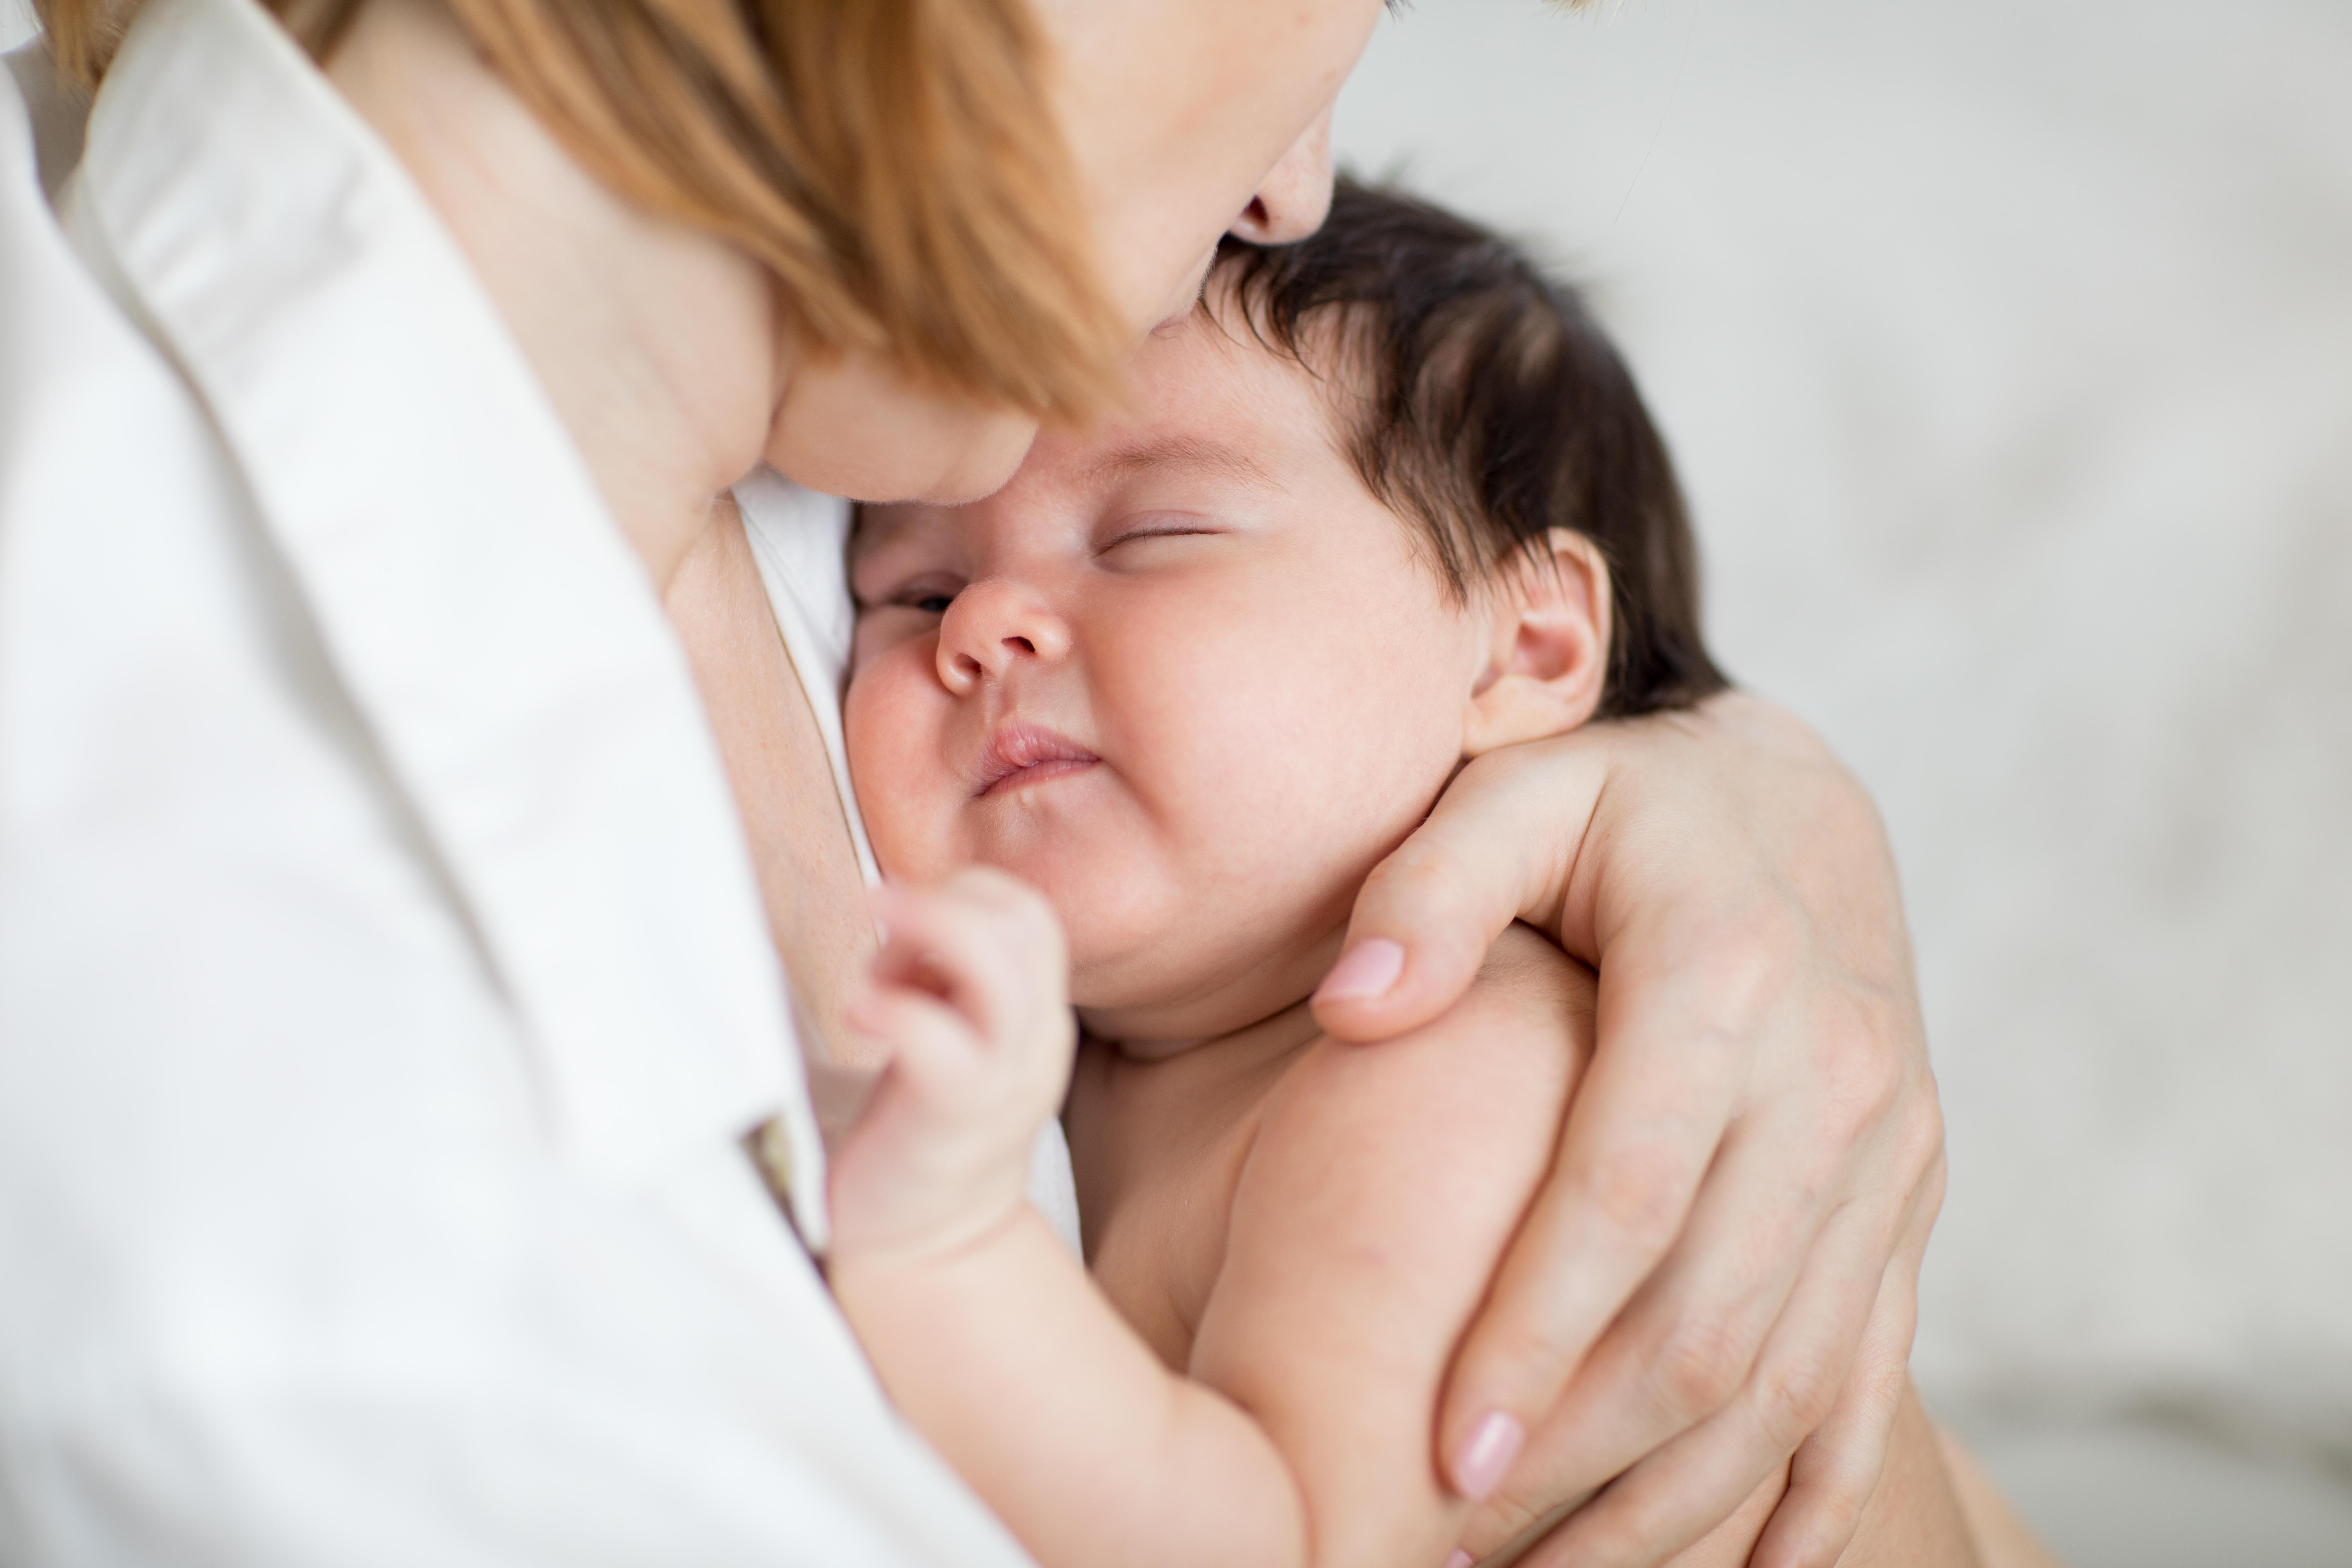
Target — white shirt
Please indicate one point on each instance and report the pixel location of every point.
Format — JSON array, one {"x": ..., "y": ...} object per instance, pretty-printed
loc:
[{"x": 384, "y": 995}]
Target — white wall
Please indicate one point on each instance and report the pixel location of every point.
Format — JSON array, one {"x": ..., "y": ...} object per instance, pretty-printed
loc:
[{"x": 2007, "y": 348}]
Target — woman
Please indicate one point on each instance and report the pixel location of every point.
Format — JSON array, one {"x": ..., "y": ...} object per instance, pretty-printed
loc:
[{"x": 383, "y": 993}]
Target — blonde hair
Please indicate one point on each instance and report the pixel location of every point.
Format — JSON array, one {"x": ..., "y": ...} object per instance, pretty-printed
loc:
[{"x": 894, "y": 162}]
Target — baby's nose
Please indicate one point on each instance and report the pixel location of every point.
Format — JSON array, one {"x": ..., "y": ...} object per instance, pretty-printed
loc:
[{"x": 991, "y": 627}]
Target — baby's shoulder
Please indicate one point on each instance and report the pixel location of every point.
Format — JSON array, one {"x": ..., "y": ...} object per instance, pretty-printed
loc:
[
  {"x": 1382, "y": 1185},
  {"x": 1526, "y": 978},
  {"x": 1528, "y": 1017},
  {"x": 1492, "y": 1072}
]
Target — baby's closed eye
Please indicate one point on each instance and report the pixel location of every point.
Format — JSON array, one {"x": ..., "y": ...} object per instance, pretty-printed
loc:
[
  {"x": 1132, "y": 544},
  {"x": 929, "y": 594}
]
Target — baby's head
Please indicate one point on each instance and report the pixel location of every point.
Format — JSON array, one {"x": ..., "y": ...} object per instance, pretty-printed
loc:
[{"x": 1388, "y": 500}]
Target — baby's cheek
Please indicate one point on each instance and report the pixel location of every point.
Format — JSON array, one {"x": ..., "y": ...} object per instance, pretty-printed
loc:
[{"x": 893, "y": 743}]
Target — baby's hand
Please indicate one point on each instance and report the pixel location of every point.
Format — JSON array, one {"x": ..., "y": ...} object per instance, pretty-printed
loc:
[{"x": 970, "y": 994}]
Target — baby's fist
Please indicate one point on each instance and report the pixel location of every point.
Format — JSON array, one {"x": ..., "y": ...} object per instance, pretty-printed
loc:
[{"x": 970, "y": 998}]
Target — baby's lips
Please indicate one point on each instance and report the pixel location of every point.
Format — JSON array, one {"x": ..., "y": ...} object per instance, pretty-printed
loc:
[{"x": 1017, "y": 747}]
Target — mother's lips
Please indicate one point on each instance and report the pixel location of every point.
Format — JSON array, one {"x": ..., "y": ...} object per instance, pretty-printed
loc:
[{"x": 1021, "y": 754}]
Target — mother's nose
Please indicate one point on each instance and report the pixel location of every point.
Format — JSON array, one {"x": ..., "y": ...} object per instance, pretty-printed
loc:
[
  {"x": 1292, "y": 200},
  {"x": 991, "y": 627}
]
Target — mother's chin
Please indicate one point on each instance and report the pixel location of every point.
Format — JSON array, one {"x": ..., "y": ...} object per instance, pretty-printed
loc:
[{"x": 853, "y": 425}]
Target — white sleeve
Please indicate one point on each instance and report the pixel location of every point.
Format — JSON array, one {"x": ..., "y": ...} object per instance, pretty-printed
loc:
[{"x": 301, "y": 1285}]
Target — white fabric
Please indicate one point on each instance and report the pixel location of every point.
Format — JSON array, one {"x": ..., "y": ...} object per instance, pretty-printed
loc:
[
  {"x": 797, "y": 537},
  {"x": 384, "y": 992}
]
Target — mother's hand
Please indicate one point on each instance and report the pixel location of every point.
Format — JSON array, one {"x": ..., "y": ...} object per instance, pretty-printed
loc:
[{"x": 1724, "y": 1268}]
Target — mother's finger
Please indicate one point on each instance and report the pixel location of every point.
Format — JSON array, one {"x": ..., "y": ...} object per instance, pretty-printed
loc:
[
  {"x": 1838, "y": 1467},
  {"x": 1643, "y": 1132},
  {"x": 1726, "y": 1546},
  {"x": 1499, "y": 846},
  {"x": 1687, "y": 1342},
  {"x": 1688, "y": 1486}
]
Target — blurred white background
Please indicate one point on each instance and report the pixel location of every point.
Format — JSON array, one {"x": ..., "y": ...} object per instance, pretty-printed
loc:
[{"x": 2007, "y": 349}]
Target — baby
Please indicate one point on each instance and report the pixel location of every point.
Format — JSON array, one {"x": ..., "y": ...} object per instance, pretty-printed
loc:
[{"x": 1388, "y": 500}]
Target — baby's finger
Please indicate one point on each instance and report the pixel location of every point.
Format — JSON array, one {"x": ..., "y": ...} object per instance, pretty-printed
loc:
[
  {"x": 985, "y": 943},
  {"x": 927, "y": 1045},
  {"x": 927, "y": 1159}
]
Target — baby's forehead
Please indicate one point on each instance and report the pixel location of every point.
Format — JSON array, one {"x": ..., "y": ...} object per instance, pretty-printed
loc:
[
  {"x": 1207, "y": 400},
  {"x": 1210, "y": 404}
]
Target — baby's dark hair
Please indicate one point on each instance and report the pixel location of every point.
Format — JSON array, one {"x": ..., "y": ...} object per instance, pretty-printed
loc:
[{"x": 1477, "y": 397}]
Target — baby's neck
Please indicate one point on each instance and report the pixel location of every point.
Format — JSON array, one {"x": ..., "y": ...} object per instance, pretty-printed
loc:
[
  {"x": 1183, "y": 1013},
  {"x": 1278, "y": 1034}
]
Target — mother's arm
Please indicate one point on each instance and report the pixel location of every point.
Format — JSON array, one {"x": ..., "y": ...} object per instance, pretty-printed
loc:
[{"x": 1721, "y": 1275}]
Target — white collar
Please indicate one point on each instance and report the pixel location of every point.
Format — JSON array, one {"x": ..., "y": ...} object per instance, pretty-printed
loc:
[{"x": 501, "y": 642}]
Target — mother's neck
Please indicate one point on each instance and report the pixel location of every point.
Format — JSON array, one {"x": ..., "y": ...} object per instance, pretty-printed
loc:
[{"x": 659, "y": 346}]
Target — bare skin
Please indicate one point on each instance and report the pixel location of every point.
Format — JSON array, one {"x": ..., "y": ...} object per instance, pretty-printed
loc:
[
  {"x": 1746, "y": 905},
  {"x": 814, "y": 894},
  {"x": 1253, "y": 687},
  {"x": 809, "y": 876},
  {"x": 664, "y": 353}
]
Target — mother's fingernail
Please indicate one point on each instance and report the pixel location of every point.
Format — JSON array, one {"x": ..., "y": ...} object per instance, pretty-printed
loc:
[
  {"x": 1364, "y": 971},
  {"x": 1460, "y": 1559},
  {"x": 1485, "y": 1456}
]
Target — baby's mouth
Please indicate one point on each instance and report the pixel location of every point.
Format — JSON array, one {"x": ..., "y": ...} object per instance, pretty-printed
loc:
[{"x": 1022, "y": 754}]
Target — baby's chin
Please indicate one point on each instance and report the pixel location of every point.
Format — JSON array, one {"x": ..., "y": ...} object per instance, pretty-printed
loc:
[
  {"x": 1114, "y": 1003},
  {"x": 1154, "y": 955}
]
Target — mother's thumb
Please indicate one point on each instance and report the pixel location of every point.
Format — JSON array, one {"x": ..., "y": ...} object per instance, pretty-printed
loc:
[{"x": 1421, "y": 930}]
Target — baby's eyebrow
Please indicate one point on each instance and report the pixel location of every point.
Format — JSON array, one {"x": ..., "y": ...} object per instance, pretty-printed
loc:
[{"x": 1176, "y": 452}]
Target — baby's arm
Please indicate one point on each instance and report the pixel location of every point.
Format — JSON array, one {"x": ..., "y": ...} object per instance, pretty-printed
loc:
[
  {"x": 988, "y": 1333},
  {"x": 1383, "y": 1189}
]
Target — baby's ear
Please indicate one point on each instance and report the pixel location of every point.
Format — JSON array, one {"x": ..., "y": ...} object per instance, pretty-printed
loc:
[{"x": 1548, "y": 659}]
